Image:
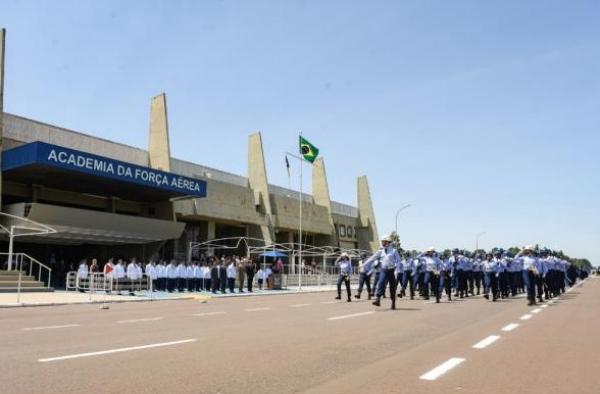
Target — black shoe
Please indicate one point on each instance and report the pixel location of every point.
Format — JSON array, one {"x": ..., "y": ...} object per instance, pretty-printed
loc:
[
  {"x": 357, "y": 296},
  {"x": 349, "y": 299},
  {"x": 486, "y": 296},
  {"x": 393, "y": 307},
  {"x": 376, "y": 302},
  {"x": 399, "y": 295},
  {"x": 412, "y": 297},
  {"x": 338, "y": 298}
]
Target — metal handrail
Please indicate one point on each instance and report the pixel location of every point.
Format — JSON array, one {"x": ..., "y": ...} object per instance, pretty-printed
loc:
[{"x": 31, "y": 261}]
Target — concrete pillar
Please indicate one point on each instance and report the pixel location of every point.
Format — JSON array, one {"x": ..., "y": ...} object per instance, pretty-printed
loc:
[
  {"x": 366, "y": 214},
  {"x": 320, "y": 191},
  {"x": 159, "y": 151},
  {"x": 2, "y": 39},
  {"x": 211, "y": 234},
  {"x": 257, "y": 177}
]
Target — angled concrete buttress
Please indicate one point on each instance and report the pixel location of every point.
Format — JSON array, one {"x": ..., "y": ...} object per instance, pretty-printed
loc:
[
  {"x": 159, "y": 152},
  {"x": 257, "y": 177},
  {"x": 320, "y": 190},
  {"x": 366, "y": 214},
  {"x": 2, "y": 36}
]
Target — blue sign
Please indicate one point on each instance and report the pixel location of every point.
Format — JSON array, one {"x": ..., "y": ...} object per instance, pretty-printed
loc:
[{"x": 41, "y": 153}]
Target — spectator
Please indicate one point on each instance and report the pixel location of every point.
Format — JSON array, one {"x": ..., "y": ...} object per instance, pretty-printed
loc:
[
  {"x": 231, "y": 274},
  {"x": 250, "y": 271}
]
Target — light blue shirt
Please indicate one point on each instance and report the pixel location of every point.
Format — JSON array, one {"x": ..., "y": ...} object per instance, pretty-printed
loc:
[
  {"x": 345, "y": 267},
  {"x": 388, "y": 257}
]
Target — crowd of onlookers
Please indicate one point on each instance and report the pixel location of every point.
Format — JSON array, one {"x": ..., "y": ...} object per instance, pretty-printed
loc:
[{"x": 211, "y": 274}]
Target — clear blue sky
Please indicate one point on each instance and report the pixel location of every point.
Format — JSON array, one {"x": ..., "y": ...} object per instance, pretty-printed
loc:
[{"x": 485, "y": 115}]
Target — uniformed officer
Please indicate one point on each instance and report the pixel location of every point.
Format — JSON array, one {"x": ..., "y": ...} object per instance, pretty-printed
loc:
[
  {"x": 459, "y": 274},
  {"x": 388, "y": 257},
  {"x": 364, "y": 271},
  {"x": 491, "y": 271},
  {"x": 172, "y": 277},
  {"x": 446, "y": 274},
  {"x": 431, "y": 281},
  {"x": 408, "y": 276},
  {"x": 530, "y": 271},
  {"x": 345, "y": 265}
]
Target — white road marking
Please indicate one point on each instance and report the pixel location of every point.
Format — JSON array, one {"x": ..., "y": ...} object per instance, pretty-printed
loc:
[
  {"x": 299, "y": 305},
  {"x": 510, "y": 327},
  {"x": 486, "y": 342},
  {"x": 526, "y": 317},
  {"x": 140, "y": 320},
  {"x": 537, "y": 310},
  {"x": 51, "y": 327},
  {"x": 121, "y": 350},
  {"x": 441, "y": 369},
  {"x": 257, "y": 309},
  {"x": 350, "y": 316},
  {"x": 428, "y": 302},
  {"x": 208, "y": 314},
  {"x": 329, "y": 302},
  {"x": 544, "y": 306}
]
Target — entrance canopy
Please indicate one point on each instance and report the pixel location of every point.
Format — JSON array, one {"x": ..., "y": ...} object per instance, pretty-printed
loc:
[{"x": 73, "y": 170}]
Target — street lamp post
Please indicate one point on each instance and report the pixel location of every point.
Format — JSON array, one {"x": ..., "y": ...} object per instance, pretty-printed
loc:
[
  {"x": 402, "y": 208},
  {"x": 477, "y": 239}
]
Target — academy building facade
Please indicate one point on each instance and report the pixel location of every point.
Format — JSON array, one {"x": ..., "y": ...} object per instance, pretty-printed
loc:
[{"x": 105, "y": 198}]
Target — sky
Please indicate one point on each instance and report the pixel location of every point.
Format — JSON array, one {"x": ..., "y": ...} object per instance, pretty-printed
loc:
[{"x": 483, "y": 115}]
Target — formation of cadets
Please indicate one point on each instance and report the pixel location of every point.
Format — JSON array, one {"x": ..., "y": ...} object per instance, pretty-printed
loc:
[
  {"x": 540, "y": 274},
  {"x": 214, "y": 275}
]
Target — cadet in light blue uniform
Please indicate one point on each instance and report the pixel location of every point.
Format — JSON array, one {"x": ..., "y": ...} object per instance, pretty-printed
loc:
[
  {"x": 491, "y": 271},
  {"x": 530, "y": 271},
  {"x": 433, "y": 266},
  {"x": 364, "y": 271},
  {"x": 446, "y": 275},
  {"x": 408, "y": 276},
  {"x": 388, "y": 258},
  {"x": 345, "y": 265}
]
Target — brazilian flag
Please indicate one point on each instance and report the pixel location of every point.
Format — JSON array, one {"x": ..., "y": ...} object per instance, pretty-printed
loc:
[{"x": 308, "y": 150}]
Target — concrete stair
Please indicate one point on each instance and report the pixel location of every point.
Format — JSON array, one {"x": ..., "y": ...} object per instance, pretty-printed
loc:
[{"x": 9, "y": 281}]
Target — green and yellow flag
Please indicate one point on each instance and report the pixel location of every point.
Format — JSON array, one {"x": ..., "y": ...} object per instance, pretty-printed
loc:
[{"x": 308, "y": 150}]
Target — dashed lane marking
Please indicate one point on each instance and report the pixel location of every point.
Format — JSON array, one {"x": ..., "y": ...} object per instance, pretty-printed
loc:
[
  {"x": 257, "y": 309},
  {"x": 486, "y": 342},
  {"x": 111, "y": 351},
  {"x": 510, "y": 327},
  {"x": 537, "y": 310},
  {"x": 140, "y": 320},
  {"x": 329, "y": 302},
  {"x": 299, "y": 305},
  {"x": 350, "y": 316},
  {"x": 208, "y": 314},
  {"x": 51, "y": 327},
  {"x": 442, "y": 369},
  {"x": 544, "y": 306},
  {"x": 526, "y": 317}
]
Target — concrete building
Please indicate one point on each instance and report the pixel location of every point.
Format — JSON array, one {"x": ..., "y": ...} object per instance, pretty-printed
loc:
[{"x": 108, "y": 199}]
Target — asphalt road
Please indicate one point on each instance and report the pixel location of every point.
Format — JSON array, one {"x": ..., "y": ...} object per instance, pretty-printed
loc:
[{"x": 305, "y": 343}]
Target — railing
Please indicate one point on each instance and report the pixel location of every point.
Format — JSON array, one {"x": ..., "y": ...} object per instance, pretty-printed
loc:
[
  {"x": 97, "y": 281},
  {"x": 24, "y": 260},
  {"x": 293, "y": 280}
]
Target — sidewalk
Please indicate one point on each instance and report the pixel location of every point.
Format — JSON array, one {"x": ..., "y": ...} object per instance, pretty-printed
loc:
[{"x": 9, "y": 300}]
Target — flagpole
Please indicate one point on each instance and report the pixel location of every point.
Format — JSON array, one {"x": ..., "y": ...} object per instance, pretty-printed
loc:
[{"x": 300, "y": 227}]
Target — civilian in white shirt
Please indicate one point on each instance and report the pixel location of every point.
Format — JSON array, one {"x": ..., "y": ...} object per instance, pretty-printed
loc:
[
  {"x": 82, "y": 274},
  {"x": 231, "y": 275},
  {"x": 133, "y": 274},
  {"x": 181, "y": 277},
  {"x": 171, "y": 272}
]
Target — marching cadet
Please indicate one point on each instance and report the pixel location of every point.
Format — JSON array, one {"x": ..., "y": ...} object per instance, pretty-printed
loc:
[
  {"x": 364, "y": 271},
  {"x": 468, "y": 272},
  {"x": 477, "y": 273},
  {"x": 172, "y": 276},
  {"x": 491, "y": 271},
  {"x": 399, "y": 272},
  {"x": 387, "y": 256},
  {"x": 459, "y": 274},
  {"x": 345, "y": 265},
  {"x": 407, "y": 276},
  {"x": 446, "y": 274},
  {"x": 530, "y": 272},
  {"x": 432, "y": 265}
]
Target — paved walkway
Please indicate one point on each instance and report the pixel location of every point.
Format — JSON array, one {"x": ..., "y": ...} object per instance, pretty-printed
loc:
[{"x": 8, "y": 300}]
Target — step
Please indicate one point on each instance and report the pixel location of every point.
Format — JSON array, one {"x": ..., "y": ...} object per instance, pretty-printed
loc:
[
  {"x": 24, "y": 283},
  {"x": 4, "y": 277},
  {"x": 27, "y": 290}
]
